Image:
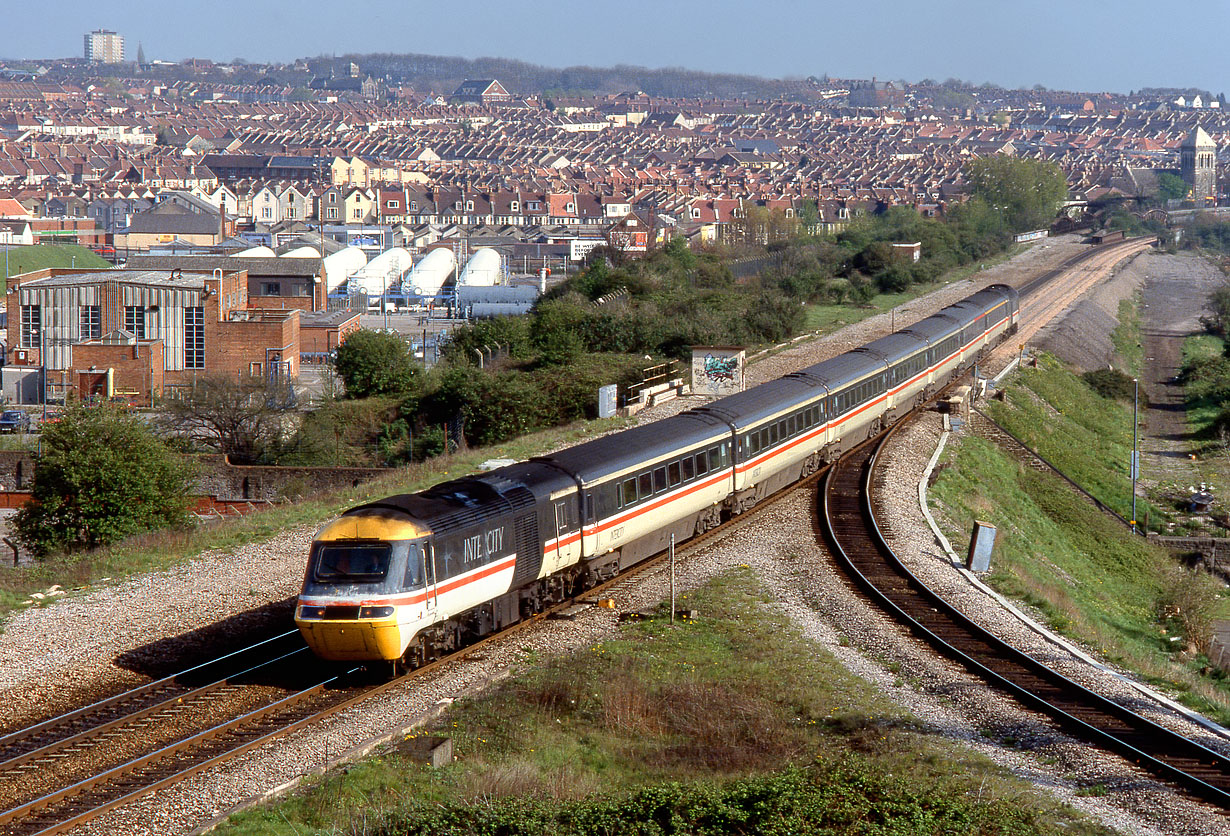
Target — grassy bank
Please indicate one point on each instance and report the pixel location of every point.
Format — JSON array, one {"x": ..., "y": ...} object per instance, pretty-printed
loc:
[
  {"x": 1088, "y": 437},
  {"x": 160, "y": 549},
  {"x": 731, "y": 724},
  {"x": 1113, "y": 592},
  {"x": 24, "y": 259}
]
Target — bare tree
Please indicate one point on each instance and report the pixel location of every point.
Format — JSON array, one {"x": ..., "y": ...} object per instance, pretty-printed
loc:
[{"x": 244, "y": 419}]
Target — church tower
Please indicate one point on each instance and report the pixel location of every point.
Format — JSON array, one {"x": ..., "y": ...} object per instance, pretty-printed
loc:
[{"x": 1198, "y": 166}]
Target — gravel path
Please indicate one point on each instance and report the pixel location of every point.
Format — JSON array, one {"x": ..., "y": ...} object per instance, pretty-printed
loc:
[{"x": 50, "y": 656}]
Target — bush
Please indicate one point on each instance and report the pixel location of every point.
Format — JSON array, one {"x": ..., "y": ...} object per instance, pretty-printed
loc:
[
  {"x": 1111, "y": 383},
  {"x": 102, "y": 476},
  {"x": 374, "y": 363}
]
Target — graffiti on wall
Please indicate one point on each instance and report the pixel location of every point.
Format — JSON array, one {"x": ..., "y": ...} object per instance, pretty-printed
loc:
[{"x": 717, "y": 371}]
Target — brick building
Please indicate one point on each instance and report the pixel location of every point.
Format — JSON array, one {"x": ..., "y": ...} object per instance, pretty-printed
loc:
[
  {"x": 272, "y": 282},
  {"x": 143, "y": 333}
]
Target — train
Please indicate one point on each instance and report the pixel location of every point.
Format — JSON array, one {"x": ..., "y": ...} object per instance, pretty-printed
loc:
[{"x": 411, "y": 577}]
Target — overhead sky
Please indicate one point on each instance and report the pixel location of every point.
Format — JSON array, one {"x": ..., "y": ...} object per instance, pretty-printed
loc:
[{"x": 1087, "y": 45}]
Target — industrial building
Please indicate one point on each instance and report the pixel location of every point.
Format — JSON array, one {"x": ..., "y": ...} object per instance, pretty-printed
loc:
[{"x": 141, "y": 334}]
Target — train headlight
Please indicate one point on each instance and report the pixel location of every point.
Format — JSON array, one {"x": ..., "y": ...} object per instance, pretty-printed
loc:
[
  {"x": 311, "y": 612},
  {"x": 375, "y": 612}
]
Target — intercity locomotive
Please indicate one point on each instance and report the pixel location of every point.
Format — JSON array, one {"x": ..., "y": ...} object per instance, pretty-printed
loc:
[{"x": 410, "y": 577}]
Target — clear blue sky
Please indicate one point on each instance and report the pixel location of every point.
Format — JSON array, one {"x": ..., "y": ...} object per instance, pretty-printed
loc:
[{"x": 1090, "y": 45}]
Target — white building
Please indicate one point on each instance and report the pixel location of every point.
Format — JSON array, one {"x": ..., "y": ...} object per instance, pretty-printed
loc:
[{"x": 102, "y": 46}]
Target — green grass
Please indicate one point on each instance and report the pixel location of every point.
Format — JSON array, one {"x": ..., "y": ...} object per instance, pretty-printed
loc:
[
  {"x": 160, "y": 549},
  {"x": 1202, "y": 411},
  {"x": 24, "y": 259},
  {"x": 1091, "y": 580},
  {"x": 1126, "y": 336},
  {"x": 731, "y": 724},
  {"x": 1086, "y": 436},
  {"x": 828, "y": 318}
]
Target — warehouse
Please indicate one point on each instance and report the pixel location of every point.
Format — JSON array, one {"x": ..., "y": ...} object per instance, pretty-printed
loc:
[{"x": 142, "y": 334}]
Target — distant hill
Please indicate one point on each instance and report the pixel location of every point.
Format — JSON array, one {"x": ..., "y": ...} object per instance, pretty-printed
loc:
[{"x": 442, "y": 73}]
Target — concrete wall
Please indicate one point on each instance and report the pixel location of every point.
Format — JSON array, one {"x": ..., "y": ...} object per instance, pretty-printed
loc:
[{"x": 218, "y": 478}]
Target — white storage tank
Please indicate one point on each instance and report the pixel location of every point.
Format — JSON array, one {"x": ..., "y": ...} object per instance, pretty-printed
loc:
[
  {"x": 432, "y": 271},
  {"x": 303, "y": 252},
  {"x": 255, "y": 252},
  {"x": 482, "y": 270},
  {"x": 343, "y": 264},
  {"x": 384, "y": 272}
]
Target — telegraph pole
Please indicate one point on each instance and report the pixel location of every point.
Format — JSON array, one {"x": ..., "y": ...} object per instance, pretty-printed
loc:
[{"x": 1135, "y": 446}]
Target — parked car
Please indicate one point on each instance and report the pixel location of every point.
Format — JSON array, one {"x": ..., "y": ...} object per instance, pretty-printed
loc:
[
  {"x": 53, "y": 416},
  {"x": 14, "y": 421}
]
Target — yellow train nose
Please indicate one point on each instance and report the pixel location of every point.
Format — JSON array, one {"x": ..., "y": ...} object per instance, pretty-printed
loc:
[{"x": 353, "y": 641}]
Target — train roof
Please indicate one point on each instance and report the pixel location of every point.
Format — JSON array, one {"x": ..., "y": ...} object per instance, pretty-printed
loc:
[
  {"x": 933, "y": 328},
  {"x": 894, "y": 346},
  {"x": 842, "y": 369},
  {"x": 743, "y": 409},
  {"x": 459, "y": 503},
  {"x": 619, "y": 451}
]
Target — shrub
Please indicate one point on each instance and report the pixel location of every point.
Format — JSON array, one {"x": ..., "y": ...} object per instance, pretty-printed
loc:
[
  {"x": 102, "y": 476},
  {"x": 374, "y": 363},
  {"x": 1111, "y": 383}
]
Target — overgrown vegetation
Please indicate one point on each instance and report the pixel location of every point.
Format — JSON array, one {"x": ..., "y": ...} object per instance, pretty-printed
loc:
[
  {"x": 102, "y": 476},
  {"x": 1090, "y": 578},
  {"x": 730, "y": 724},
  {"x": 1087, "y": 435}
]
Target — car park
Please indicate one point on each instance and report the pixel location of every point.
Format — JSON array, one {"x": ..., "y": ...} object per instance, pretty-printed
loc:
[{"x": 13, "y": 421}]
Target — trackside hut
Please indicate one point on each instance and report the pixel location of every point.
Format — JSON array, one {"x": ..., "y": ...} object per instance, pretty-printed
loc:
[{"x": 140, "y": 333}]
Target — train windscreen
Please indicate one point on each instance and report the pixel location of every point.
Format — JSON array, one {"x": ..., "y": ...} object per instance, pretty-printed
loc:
[{"x": 352, "y": 562}]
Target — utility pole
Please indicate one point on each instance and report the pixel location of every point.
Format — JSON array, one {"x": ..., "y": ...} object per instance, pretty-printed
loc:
[{"x": 1135, "y": 446}]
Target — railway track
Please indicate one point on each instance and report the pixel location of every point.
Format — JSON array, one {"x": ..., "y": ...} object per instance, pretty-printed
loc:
[
  {"x": 146, "y": 712},
  {"x": 48, "y": 746},
  {"x": 849, "y": 526}
]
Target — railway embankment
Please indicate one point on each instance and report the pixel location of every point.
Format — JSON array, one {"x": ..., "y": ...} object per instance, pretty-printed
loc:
[
  {"x": 734, "y": 722},
  {"x": 1081, "y": 570}
]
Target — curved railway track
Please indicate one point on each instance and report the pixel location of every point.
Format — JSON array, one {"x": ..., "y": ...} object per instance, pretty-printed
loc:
[
  {"x": 47, "y": 747},
  {"x": 847, "y": 520}
]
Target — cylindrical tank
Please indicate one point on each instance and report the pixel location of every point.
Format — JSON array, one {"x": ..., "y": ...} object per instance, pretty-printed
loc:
[
  {"x": 384, "y": 272},
  {"x": 255, "y": 252},
  {"x": 482, "y": 270},
  {"x": 431, "y": 272},
  {"x": 343, "y": 264},
  {"x": 302, "y": 252}
]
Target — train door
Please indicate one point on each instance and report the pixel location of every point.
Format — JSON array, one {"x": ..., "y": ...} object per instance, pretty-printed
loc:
[
  {"x": 565, "y": 531},
  {"x": 429, "y": 574}
]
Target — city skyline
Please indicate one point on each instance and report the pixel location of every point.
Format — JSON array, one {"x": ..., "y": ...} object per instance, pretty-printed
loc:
[{"x": 1091, "y": 47}]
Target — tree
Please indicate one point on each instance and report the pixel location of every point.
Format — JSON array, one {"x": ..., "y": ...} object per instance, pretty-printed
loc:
[
  {"x": 103, "y": 475},
  {"x": 374, "y": 363},
  {"x": 243, "y": 419},
  {"x": 1171, "y": 186},
  {"x": 1028, "y": 192}
]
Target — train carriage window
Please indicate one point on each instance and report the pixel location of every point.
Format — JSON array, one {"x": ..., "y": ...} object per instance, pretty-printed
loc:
[
  {"x": 413, "y": 578},
  {"x": 773, "y": 439},
  {"x": 659, "y": 480},
  {"x": 689, "y": 468},
  {"x": 765, "y": 439},
  {"x": 702, "y": 463},
  {"x": 673, "y": 474},
  {"x": 782, "y": 431},
  {"x": 646, "y": 486},
  {"x": 589, "y": 507},
  {"x": 723, "y": 455},
  {"x": 628, "y": 493}
]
